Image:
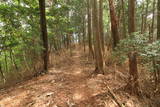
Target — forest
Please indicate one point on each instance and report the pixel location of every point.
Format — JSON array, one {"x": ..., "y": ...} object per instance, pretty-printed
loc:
[{"x": 79, "y": 53}]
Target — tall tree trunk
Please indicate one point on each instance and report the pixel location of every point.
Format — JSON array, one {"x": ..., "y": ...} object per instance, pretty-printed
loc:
[
  {"x": 158, "y": 20},
  {"x": 146, "y": 14},
  {"x": 98, "y": 49},
  {"x": 142, "y": 19},
  {"x": 2, "y": 72},
  {"x": 12, "y": 59},
  {"x": 158, "y": 34},
  {"x": 151, "y": 35},
  {"x": 44, "y": 33},
  {"x": 152, "y": 26},
  {"x": 89, "y": 11},
  {"x": 84, "y": 34},
  {"x": 101, "y": 24},
  {"x": 123, "y": 19},
  {"x": 114, "y": 24},
  {"x": 131, "y": 16},
  {"x": 133, "y": 70}
]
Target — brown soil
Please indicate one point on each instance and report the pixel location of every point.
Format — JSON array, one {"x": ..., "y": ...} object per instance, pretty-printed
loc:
[{"x": 70, "y": 83}]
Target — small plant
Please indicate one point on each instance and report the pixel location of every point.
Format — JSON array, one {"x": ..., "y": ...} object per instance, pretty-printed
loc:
[
  {"x": 139, "y": 44},
  {"x": 134, "y": 43}
]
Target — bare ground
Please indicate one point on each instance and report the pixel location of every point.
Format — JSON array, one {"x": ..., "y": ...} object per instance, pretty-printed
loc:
[{"x": 69, "y": 84}]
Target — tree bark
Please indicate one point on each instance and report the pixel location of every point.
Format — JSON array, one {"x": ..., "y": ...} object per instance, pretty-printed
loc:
[
  {"x": 158, "y": 20},
  {"x": 97, "y": 45},
  {"x": 124, "y": 19},
  {"x": 90, "y": 29},
  {"x": 151, "y": 35},
  {"x": 146, "y": 14},
  {"x": 84, "y": 34},
  {"x": 152, "y": 26},
  {"x": 131, "y": 16},
  {"x": 142, "y": 19},
  {"x": 44, "y": 34},
  {"x": 101, "y": 24},
  {"x": 133, "y": 70},
  {"x": 114, "y": 24},
  {"x": 158, "y": 35},
  {"x": 2, "y": 72},
  {"x": 133, "y": 83}
]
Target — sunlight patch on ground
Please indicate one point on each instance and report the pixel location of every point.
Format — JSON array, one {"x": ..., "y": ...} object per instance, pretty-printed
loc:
[
  {"x": 93, "y": 83},
  {"x": 14, "y": 100},
  {"x": 76, "y": 56},
  {"x": 77, "y": 72},
  {"x": 77, "y": 96},
  {"x": 81, "y": 94},
  {"x": 55, "y": 70}
]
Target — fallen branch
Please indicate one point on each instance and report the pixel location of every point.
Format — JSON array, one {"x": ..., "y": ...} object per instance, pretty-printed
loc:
[{"x": 114, "y": 97}]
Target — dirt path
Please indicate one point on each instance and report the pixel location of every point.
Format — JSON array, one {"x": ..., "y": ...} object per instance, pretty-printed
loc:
[{"x": 70, "y": 85}]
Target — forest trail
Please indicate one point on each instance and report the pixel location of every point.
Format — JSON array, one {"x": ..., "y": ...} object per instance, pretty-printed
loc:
[{"x": 69, "y": 85}]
